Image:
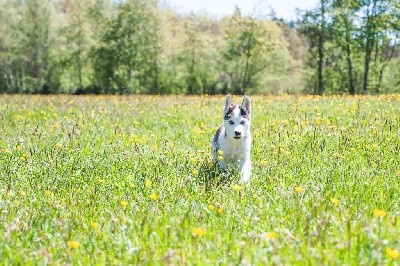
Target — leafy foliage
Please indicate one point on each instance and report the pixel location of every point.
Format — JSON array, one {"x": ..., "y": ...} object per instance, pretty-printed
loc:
[{"x": 142, "y": 47}]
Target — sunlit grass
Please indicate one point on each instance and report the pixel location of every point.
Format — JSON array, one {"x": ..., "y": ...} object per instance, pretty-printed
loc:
[{"x": 129, "y": 179}]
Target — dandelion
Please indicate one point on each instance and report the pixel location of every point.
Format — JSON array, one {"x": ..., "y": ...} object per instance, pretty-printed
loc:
[
  {"x": 199, "y": 232},
  {"x": 298, "y": 189},
  {"x": 59, "y": 145},
  {"x": 18, "y": 148},
  {"x": 211, "y": 164},
  {"x": 192, "y": 160},
  {"x": 196, "y": 172},
  {"x": 136, "y": 123},
  {"x": 220, "y": 152},
  {"x": 220, "y": 157},
  {"x": 270, "y": 235},
  {"x": 22, "y": 193},
  {"x": 392, "y": 253},
  {"x": 148, "y": 183},
  {"x": 211, "y": 207},
  {"x": 73, "y": 244},
  {"x": 264, "y": 162},
  {"x": 94, "y": 225},
  {"x": 16, "y": 202},
  {"x": 219, "y": 211},
  {"x": 23, "y": 157},
  {"x": 237, "y": 188},
  {"x": 123, "y": 203},
  {"x": 100, "y": 181},
  {"x": 334, "y": 201},
  {"x": 379, "y": 213},
  {"x": 133, "y": 186},
  {"x": 48, "y": 192},
  {"x": 153, "y": 197}
]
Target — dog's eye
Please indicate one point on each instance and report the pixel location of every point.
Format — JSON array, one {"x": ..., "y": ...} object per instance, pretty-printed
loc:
[
  {"x": 242, "y": 122},
  {"x": 231, "y": 122}
]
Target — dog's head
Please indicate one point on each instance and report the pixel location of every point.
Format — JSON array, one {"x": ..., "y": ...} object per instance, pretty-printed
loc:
[{"x": 237, "y": 118}]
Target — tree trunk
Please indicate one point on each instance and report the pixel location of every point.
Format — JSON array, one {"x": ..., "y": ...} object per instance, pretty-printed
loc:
[
  {"x": 321, "y": 50},
  {"x": 369, "y": 43},
  {"x": 352, "y": 90}
]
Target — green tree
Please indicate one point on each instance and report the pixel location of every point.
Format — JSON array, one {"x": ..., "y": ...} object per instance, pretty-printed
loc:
[
  {"x": 28, "y": 46},
  {"x": 249, "y": 42},
  {"x": 344, "y": 31},
  {"x": 314, "y": 26},
  {"x": 379, "y": 20},
  {"x": 126, "y": 60}
]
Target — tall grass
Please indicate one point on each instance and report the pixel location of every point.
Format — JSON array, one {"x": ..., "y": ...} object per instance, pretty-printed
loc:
[{"x": 129, "y": 180}]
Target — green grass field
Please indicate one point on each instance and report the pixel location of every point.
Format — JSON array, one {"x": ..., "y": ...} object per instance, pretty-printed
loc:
[{"x": 128, "y": 180}]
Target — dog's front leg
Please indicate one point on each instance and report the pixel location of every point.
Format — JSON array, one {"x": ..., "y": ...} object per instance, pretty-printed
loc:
[
  {"x": 245, "y": 171},
  {"x": 223, "y": 166}
]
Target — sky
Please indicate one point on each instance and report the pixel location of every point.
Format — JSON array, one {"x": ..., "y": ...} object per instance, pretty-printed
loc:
[{"x": 217, "y": 8}]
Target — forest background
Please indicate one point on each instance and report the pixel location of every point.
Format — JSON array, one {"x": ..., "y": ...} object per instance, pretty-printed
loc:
[{"x": 144, "y": 47}]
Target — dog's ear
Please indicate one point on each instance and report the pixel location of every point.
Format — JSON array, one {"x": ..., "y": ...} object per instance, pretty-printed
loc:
[
  {"x": 246, "y": 104},
  {"x": 227, "y": 103}
]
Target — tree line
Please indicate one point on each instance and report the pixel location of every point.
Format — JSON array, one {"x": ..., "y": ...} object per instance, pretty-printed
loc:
[
  {"x": 351, "y": 44},
  {"x": 141, "y": 46}
]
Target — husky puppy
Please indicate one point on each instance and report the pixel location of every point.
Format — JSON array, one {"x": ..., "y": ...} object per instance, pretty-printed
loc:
[{"x": 232, "y": 141}]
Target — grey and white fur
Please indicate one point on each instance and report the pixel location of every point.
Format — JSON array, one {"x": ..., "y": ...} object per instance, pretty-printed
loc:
[{"x": 233, "y": 138}]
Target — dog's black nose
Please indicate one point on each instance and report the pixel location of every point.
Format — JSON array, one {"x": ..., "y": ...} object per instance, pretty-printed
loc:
[{"x": 237, "y": 133}]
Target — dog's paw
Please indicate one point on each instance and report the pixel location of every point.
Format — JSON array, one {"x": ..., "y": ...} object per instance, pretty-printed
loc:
[{"x": 245, "y": 178}]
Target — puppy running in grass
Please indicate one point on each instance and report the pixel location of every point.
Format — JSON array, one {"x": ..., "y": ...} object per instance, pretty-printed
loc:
[{"x": 232, "y": 141}]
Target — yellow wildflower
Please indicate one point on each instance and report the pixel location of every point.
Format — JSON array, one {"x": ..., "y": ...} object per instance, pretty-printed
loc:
[
  {"x": 48, "y": 192},
  {"x": 16, "y": 202},
  {"x": 392, "y": 253},
  {"x": 379, "y": 213},
  {"x": 237, "y": 187},
  {"x": 22, "y": 193},
  {"x": 94, "y": 225},
  {"x": 58, "y": 145},
  {"x": 220, "y": 158},
  {"x": 298, "y": 189},
  {"x": 100, "y": 181},
  {"x": 270, "y": 235},
  {"x": 73, "y": 244},
  {"x": 196, "y": 172},
  {"x": 335, "y": 201},
  {"x": 148, "y": 183},
  {"x": 220, "y": 211},
  {"x": 264, "y": 162},
  {"x": 153, "y": 197},
  {"x": 211, "y": 207},
  {"x": 199, "y": 231},
  {"x": 220, "y": 152},
  {"x": 123, "y": 203},
  {"x": 192, "y": 160}
]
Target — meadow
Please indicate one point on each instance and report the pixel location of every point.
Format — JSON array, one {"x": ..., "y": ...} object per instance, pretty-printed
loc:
[{"x": 129, "y": 180}]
